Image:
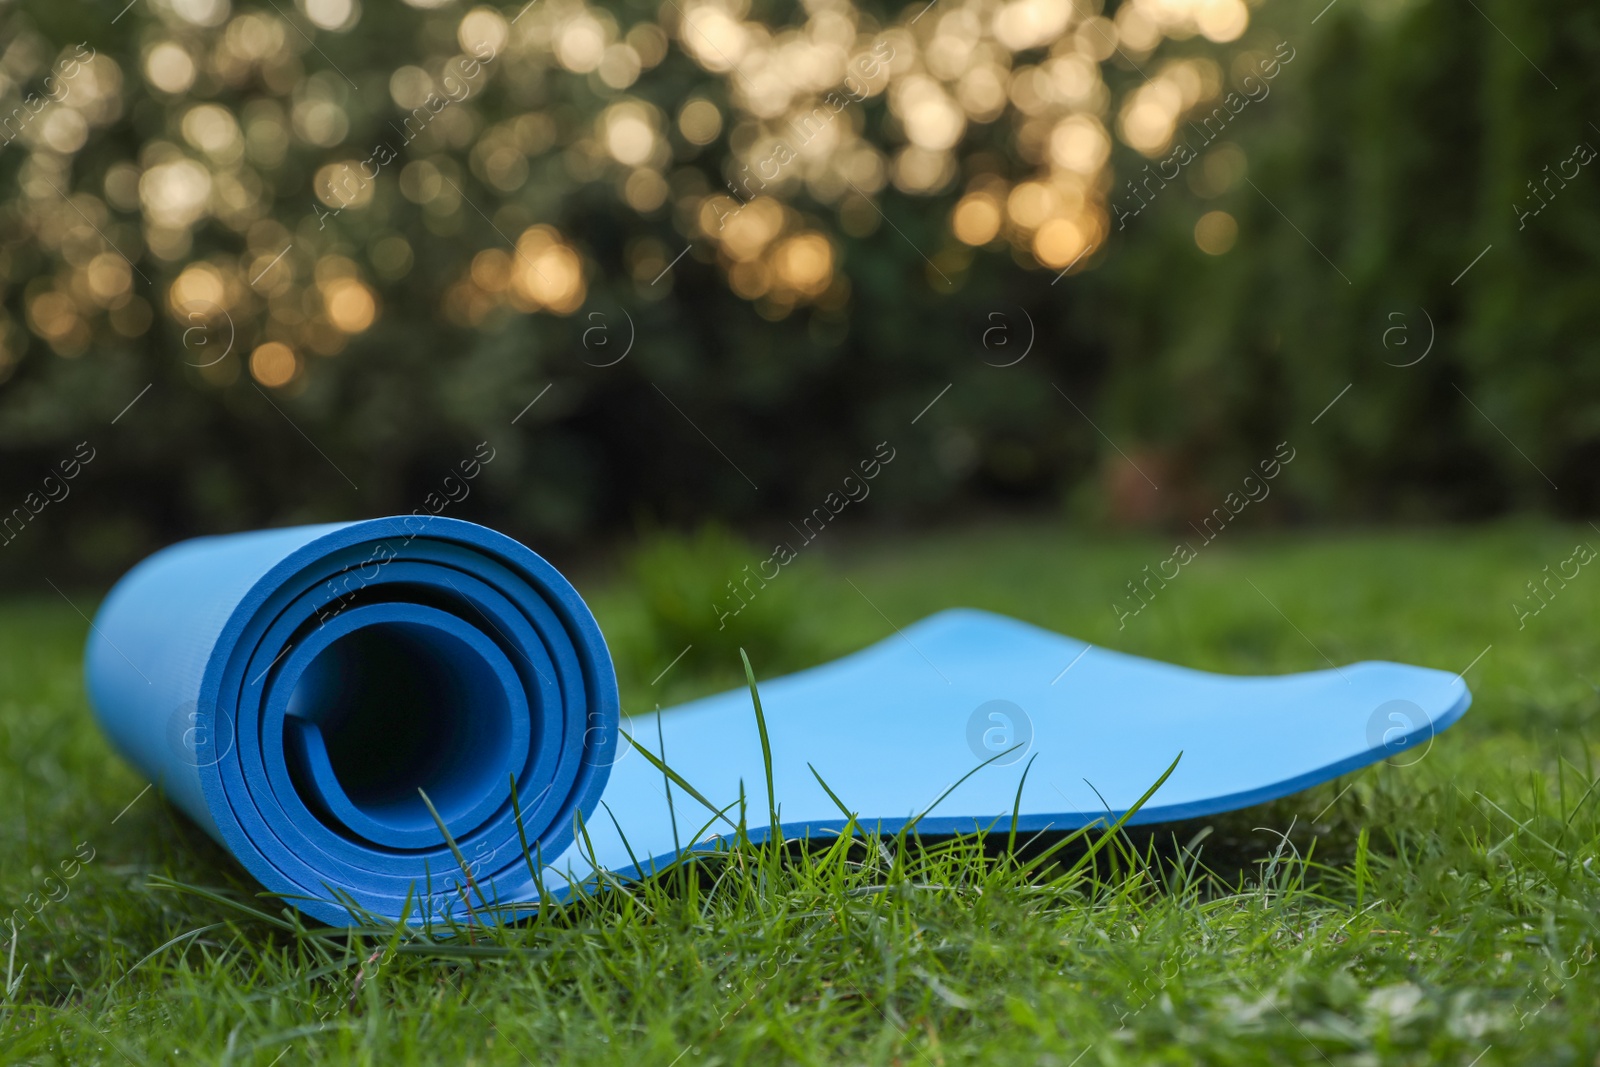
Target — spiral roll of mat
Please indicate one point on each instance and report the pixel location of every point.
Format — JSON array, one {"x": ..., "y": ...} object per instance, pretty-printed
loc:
[{"x": 297, "y": 691}]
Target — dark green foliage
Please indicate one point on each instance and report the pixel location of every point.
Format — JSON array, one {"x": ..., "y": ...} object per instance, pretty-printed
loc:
[
  {"x": 702, "y": 595},
  {"x": 1390, "y": 153}
]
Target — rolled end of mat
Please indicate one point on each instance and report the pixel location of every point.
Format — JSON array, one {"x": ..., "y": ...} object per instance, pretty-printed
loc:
[{"x": 298, "y": 691}]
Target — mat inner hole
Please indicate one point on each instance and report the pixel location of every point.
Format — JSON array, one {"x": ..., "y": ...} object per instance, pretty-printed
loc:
[{"x": 401, "y": 707}]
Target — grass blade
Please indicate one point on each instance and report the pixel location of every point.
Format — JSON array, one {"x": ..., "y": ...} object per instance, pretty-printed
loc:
[{"x": 766, "y": 747}]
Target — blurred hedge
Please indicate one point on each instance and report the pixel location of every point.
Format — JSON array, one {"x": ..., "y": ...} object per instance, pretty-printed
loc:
[
  {"x": 1403, "y": 141},
  {"x": 1396, "y": 142}
]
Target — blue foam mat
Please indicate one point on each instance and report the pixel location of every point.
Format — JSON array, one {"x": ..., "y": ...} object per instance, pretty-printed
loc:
[{"x": 290, "y": 689}]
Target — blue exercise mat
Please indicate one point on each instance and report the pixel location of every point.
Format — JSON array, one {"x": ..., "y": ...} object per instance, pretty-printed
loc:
[{"x": 292, "y": 690}]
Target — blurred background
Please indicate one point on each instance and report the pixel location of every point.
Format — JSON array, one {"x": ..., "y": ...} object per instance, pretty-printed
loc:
[{"x": 591, "y": 271}]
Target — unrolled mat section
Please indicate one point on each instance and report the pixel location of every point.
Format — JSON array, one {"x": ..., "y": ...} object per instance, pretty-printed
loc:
[{"x": 298, "y": 691}]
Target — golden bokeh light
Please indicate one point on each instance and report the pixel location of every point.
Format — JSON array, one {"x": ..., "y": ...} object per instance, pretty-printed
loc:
[
  {"x": 547, "y": 273},
  {"x": 700, "y": 121},
  {"x": 343, "y": 184},
  {"x": 169, "y": 68},
  {"x": 1073, "y": 78},
  {"x": 976, "y": 219},
  {"x": 249, "y": 115},
  {"x": 409, "y": 87},
  {"x": 63, "y": 130},
  {"x": 483, "y": 30},
  {"x": 1142, "y": 23},
  {"x": 53, "y": 315},
  {"x": 199, "y": 284},
  {"x": 175, "y": 194},
  {"x": 1147, "y": 126},
  {"x": 1059, "y": 242},
  {"x": 1216, "y": 232},
  {"x": 921, "y": 170},
  {"x": 982, "y": 92},
  {"x": 1137, "y": 31},
  {"x": 750, "y": 280},
  {"x": 1222, "y": 20},
  {"x": 351, "y": 306},
  {"x": 274, "y": 364},
  {"x": 714, "y": 38},
  {"x": 1024, "y": 24},
  {"x": 253, "y": 37},
  {"x": 213, "y": 130},
  {"x": 619, "y": 66},
  {"x": 932, "y": 119},
  {"x": 629, "y": 130},
  {"x": 110, "y": 278},
  {"x": 645, "y": 190},
  {"x": 320, "y": 121},
  {"x": 491, "y": 270},
  {"x": 1150, "y": 114},
  {"x": 746, "y": 231},
  {"x": 580, "y": 43},
  {"x": 804, "y": 263},
  {"x": 650, "y": 42},
  {"x": 200, "y": 12},
  {"x": 421, "y": 181},
  {"x": 1079, "y": 143},
  {"x": 331, "y": 15},
  {"x": 1031, "y": 203}
]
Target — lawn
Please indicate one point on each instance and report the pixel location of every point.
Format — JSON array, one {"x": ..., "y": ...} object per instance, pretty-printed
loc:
[{"x": 1436, "y": 909}]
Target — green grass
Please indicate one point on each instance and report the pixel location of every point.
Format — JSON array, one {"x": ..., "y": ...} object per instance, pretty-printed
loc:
[{"x": 1445, "y": 911}]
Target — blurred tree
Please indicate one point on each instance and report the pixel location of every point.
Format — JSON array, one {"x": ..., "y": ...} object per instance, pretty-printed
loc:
[{"x": 292, "y": 263}]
